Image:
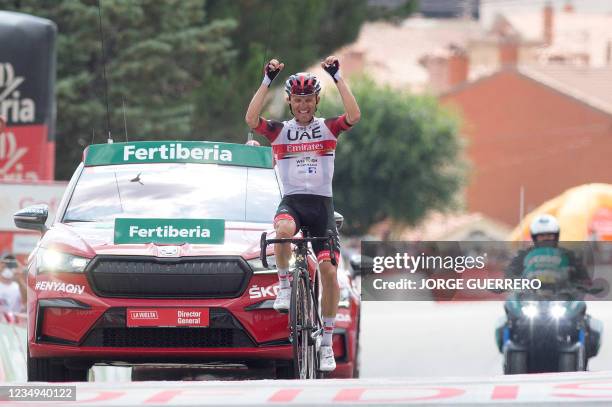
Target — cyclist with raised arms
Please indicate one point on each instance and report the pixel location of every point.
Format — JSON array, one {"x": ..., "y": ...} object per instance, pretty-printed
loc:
[{"x": 304, "y": 151}]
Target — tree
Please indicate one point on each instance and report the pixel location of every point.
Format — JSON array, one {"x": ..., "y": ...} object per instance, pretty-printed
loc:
[
  {"x": 184, "y": 68},
  {"x": 157, "y": 54},
  {"x": 299, "y": 32},
  {"x": 393, "y": 12},
  {"x": 400, "y": 161}
]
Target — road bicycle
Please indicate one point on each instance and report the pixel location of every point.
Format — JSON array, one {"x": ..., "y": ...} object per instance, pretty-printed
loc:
[{"x": 305, "y": 322}]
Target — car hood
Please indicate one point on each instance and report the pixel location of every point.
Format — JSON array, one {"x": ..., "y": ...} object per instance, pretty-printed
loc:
[{"x": 91, "y": 239}]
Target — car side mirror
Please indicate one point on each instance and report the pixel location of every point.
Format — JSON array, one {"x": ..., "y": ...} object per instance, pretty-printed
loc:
[
  {"x": 339, "y": 220},
  {"x": 355, "y": 262},
  {"x": 32, "y": 217}
]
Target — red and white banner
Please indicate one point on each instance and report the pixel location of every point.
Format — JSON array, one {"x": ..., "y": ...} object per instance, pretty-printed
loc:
[
  {"x": 25, "y": 154},
  {"x": 27, "y": 97}
]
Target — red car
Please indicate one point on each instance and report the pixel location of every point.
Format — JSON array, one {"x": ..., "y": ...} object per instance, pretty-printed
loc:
[{"x": 153, "y": 259}]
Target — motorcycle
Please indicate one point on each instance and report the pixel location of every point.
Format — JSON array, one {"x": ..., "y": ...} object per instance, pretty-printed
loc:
[{"x": 548, "y": 335}]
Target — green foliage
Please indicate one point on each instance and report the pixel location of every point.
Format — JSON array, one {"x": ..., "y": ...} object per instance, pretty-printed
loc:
[
  {"x": 157, "y": 53},
  {"x": 299, "y": 33},
  {"x": 184, "y": 68},
  {"x": 392, "y": 14},
  {"x": 401, "y": 160}
]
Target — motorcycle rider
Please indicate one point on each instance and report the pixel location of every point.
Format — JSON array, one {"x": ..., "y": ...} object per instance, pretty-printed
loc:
[
  {"x": 545, "y": 230},
  {"x": 304, "y": 151}
]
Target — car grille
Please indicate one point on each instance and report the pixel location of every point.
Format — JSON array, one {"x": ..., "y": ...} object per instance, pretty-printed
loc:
[
  {"x": 146, "y": 277},
  {"x": 171, "y": 338},
  {"x": 224, "y": 332}
]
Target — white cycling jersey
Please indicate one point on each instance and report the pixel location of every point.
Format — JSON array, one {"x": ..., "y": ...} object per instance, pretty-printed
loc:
[{"x": 304, "y": 155}]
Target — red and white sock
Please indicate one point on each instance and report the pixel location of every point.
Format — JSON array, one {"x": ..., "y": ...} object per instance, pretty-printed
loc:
[
  {"x": 328, "y": 330},
  {"x": 283, "y": 278}
]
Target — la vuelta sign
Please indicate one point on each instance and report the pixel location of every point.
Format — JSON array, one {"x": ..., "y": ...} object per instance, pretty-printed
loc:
[
  {"x": 27, "y": 101},
  {"x": 11, "y": 156},
  {"x": 26, "y": 154},
  {"x": 13, "y": 106}
]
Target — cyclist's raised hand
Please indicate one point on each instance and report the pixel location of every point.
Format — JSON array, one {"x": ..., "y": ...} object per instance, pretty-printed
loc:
[
  {"x": 271, "y": 70},
  {"x": 331, "y": 64}
]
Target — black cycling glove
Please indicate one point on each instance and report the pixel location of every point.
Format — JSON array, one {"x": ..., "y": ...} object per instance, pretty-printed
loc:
[
  {"x": 270, "y": 74},
  {"x": 333, "y": 70}
]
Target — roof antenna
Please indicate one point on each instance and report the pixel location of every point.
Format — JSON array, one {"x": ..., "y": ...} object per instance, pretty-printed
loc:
[
  {"x": 110, "y": 137},
  {"x": 124, "y": 120}
]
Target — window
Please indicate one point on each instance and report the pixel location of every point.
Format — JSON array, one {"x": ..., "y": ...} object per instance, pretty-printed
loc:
[{"x": 174, "y": 191}]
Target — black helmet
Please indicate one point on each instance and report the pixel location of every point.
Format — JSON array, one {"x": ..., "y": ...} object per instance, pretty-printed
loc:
[{"x": 302, "y": 84}]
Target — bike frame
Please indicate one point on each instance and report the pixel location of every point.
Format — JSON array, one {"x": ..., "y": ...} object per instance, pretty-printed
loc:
[{"x": 301, "y": 250}]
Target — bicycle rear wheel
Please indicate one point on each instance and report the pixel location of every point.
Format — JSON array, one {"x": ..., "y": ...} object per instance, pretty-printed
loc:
[{"x": 301, "y": 314}]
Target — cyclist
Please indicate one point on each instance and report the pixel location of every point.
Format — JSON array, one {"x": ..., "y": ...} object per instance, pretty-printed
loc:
[{"x": 304, "y": 151}]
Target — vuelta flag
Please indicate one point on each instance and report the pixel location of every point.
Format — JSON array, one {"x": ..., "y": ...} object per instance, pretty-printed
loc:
[{"x": 27, "y": 100}]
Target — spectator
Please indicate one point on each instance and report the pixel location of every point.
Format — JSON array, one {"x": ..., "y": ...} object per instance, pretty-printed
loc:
[
  {"x": 10, "y": 294},
  {"x": 21, "y": 277}
]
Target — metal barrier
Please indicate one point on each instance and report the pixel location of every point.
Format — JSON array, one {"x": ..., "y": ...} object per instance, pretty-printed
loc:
[{"x": 13, "y": 347}]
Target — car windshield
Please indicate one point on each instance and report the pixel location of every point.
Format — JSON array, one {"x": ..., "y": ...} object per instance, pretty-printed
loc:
[{"x": 180, "y": 190}]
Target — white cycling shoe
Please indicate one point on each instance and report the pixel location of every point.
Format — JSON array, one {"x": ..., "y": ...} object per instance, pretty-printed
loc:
[
  {"x": 327, "y": 362},
  {"x": 283, "y": 299}
]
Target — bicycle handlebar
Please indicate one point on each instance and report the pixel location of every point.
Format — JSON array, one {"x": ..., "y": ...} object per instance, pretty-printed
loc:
[{"x": 264, "y": 242}]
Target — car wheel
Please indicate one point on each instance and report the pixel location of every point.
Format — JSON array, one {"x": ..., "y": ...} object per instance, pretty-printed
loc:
[
  {"x": 50, "y": 370},
  {"x": 568, "y": 362},
  {"x": 515, "y": 362},
  {"x": 139, "y": 374},
  {"x": 285, "y": 371},
  {"x": 156, "y": 373},
  {"x": 356, "y": 361}
]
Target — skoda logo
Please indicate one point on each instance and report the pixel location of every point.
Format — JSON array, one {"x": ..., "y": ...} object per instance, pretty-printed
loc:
[{"x": 168, "y": 251}]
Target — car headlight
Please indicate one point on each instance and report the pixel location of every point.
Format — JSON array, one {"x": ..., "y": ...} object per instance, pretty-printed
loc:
[
  {"x": 50, "y": 261},
  {"x": 557, "y": 311},
  {"x": 258, "y": 267},
  {"x": 530, "y": 310}
]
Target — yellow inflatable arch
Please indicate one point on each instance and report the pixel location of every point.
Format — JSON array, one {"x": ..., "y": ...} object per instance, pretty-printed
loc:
[{"x": 581, "y": 211}]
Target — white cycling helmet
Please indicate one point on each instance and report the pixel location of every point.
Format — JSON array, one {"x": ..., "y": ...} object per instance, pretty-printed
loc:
[{"x": 544, "y": 225}]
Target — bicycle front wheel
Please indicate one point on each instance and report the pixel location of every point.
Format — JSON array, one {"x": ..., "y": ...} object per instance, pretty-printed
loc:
[{"x": 301, "y": 313}]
